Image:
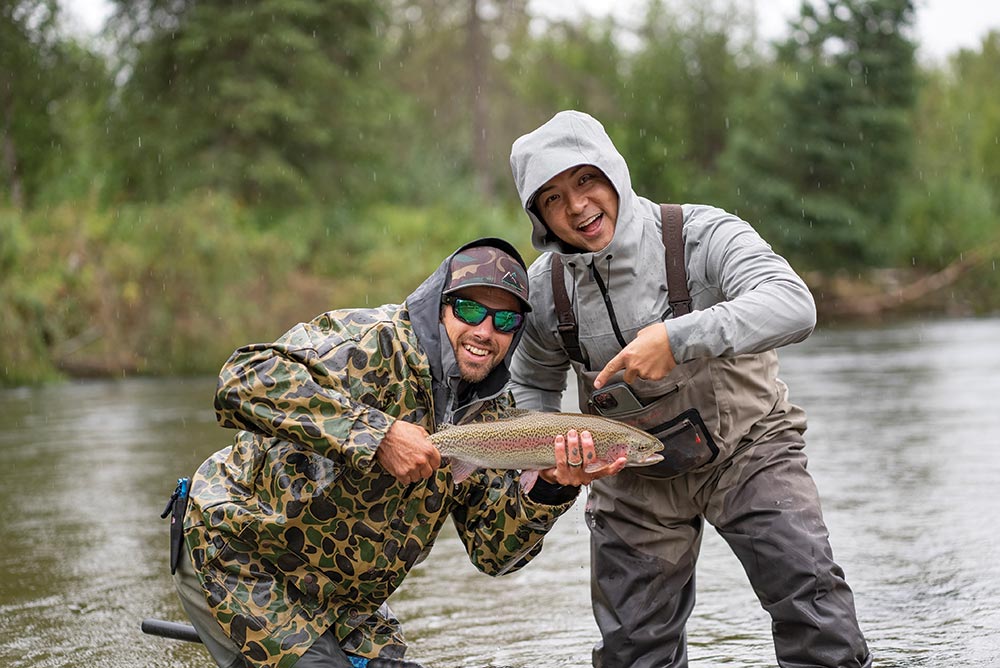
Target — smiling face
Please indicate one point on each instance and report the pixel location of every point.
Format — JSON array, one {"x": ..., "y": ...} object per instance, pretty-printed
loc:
[
  {"x": 580, "y": 206},
  {"x": 479, "y": 348}
]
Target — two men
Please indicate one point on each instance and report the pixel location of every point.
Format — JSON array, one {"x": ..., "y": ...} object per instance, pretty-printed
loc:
[
  {"x": 695, "y": 346},
  {"x": 298, "y": 533}
]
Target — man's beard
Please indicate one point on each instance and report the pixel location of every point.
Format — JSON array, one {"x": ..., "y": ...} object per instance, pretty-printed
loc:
[{"x": 476, "y": 372}]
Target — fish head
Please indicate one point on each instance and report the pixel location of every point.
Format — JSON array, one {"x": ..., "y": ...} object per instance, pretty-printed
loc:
[{"x": 644, "y": 450}]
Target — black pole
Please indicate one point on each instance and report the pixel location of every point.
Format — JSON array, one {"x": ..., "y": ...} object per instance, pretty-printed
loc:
[{"x": 173, "y": 630}]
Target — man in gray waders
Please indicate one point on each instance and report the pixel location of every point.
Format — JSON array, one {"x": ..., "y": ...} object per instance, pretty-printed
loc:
[{"x": 670, "y": 317}]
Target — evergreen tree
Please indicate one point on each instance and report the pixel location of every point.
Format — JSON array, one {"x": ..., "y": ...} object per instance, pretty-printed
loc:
[
  {"x": 28, "y": 60},
  {"x": 823, "y": 182},
  {"x": 692, "y": 67},
  {"x": 275, "y": 101},
  {"x": 449, "y": 60}
]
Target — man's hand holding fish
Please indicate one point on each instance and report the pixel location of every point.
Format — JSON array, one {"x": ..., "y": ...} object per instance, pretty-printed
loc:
[{"x": 571, "y": 452}]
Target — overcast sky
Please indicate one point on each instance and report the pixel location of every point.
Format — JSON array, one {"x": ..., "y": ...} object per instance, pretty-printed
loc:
[{"x": 943, "y": 26}]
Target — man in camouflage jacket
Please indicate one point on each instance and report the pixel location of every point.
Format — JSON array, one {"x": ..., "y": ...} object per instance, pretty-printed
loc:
[{"x": 299, "y": 532}]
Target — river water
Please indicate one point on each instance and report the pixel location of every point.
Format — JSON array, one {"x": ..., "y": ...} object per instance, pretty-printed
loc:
[{"x": 904, "y": 443}]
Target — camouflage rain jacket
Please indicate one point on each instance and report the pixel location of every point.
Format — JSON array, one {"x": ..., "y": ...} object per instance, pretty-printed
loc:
[{"x": 296, "y": 528}]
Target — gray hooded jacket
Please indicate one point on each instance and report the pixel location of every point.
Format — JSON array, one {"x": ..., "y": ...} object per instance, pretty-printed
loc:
[{"x": 745, "y": 297}]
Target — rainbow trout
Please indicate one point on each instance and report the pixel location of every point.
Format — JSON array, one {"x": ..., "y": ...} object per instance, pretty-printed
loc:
[{"x": 524, "y": 440}]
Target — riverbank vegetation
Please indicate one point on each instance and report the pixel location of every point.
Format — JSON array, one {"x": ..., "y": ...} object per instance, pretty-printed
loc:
[{"x": 202, "y": 176}]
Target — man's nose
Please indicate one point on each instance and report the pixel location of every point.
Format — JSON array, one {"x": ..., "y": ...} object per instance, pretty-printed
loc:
[
  {"x": 577, "y": 202},
  {"x": 484, "y": 330}
]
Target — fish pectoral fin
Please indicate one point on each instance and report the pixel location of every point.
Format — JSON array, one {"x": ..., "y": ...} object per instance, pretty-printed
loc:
[
  {"x": 528, "y": 480},
  {"x": 460, "y": 469}
]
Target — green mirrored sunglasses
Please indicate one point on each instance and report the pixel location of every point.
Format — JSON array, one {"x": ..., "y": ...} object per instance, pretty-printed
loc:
[{"x": 472, "y": 312}]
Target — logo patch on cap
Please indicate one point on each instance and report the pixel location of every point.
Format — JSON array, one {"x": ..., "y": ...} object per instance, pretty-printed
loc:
[{"x": 510, "y": 278}]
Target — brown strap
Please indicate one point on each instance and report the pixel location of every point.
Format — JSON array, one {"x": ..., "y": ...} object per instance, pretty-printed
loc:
[
  {"x": 672, "y": 218},
  {"x": 568, "y": 330}
]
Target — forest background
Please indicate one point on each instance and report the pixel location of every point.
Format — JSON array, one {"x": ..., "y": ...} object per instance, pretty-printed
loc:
[{"x": 227, "y": 169}]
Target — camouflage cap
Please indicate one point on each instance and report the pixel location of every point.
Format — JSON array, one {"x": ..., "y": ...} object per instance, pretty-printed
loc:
[{"x": 489, "y": 266}]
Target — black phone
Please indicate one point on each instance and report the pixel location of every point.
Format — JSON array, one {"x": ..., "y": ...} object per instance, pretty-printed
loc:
[{"x": 615, "y": 399}]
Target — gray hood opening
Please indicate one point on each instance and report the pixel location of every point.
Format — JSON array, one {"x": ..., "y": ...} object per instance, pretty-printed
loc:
[
  {"x": 568, "y": 139},
  {"x": 424, "y": 307}
]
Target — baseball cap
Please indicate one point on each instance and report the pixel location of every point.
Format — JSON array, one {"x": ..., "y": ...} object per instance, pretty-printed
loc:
[{"x": 489, "y": 266}]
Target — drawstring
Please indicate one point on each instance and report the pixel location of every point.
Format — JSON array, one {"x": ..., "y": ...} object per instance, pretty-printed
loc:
[{"x": 607, "y": 299}]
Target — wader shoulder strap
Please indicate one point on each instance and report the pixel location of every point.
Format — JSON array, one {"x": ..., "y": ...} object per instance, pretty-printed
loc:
[
  {"x": 568, "y": 330},
  {"x": 672, "y": 217}
]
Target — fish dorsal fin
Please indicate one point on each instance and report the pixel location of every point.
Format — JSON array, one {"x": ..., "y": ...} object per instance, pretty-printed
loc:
[{"x": 508, "y": 414}]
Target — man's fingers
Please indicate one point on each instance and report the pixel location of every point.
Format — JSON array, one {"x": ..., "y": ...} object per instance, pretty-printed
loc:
[
  {"x": 434, "y": 458},
  {"x": 574, "y": 455},
  {"x": 616, "y": 364},
  {"x": 560, "y": 448}
]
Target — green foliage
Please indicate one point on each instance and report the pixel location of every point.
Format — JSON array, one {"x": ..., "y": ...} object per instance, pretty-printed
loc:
[
  {"x": 686, "y": 81},
  {"x": 272, "y": 103},
  {"x": 21, "y": 310},
  {"x": 174, "y": 288},
  {"x": 827, "y": 174},
  {"x": 951, "y": 206},
  {"x": 571, "y": 66},
  {"x": 147, "y": 290},
  {"x": 235, "y": 167},
  {"x": 958, "y": 118},
  {"x": 391, "y": 249},
  {"x": 936, "y": 226},
  {"x": 46, "y": 84}
]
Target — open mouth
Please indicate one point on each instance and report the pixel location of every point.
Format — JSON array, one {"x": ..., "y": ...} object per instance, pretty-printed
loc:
[
  {"x": 591, "y": 225},
  {"x": 476, "y": 351}
]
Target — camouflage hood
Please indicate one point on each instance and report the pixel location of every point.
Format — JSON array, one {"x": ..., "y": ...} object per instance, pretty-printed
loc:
[{"x": 424, "y": 306}]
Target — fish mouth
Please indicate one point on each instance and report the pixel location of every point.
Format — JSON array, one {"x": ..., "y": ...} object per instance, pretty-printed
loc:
[{"x": 650, "y": 459}]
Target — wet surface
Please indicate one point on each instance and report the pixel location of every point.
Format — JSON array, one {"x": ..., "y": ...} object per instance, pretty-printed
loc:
[{"x": 904, "y": 443}]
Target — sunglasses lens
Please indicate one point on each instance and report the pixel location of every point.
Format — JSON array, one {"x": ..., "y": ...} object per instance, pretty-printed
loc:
[
  {"x": 469, "y": 311},
  {"x": 507, "y": 321},
  {"x": 473, "y": 313}
]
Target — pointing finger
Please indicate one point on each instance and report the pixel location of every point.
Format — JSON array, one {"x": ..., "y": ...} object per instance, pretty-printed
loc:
[{"x": 616, "y": 364}]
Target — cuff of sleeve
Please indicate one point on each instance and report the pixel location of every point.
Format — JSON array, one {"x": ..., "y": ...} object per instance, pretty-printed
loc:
[
  {"x": 679, "y": 332},
  {"x": 370, "y": 429},
  {"x": 552, "y": 494}
]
